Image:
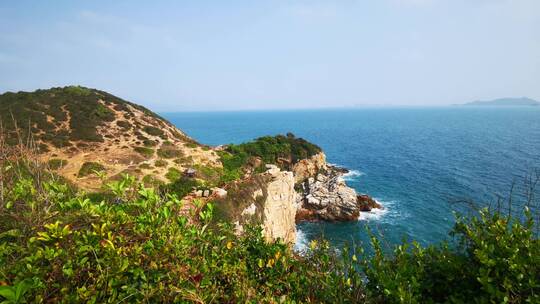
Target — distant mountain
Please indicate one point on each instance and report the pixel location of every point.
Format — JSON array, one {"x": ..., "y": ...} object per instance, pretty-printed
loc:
[{"x": 523, "y": 101}]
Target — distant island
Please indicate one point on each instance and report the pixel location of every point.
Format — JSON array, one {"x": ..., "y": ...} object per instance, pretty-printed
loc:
[{"x": 523, "y": 101}]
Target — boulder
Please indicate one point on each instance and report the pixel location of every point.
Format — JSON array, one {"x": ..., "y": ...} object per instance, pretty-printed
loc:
[
  {"x": 367, "y": 203},
  {"x": 326, "y": 196}
]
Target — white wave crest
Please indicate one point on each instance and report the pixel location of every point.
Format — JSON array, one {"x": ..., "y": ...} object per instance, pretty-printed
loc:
[
  {"x": 375, "y": 213},
  {"x": 352, "y": 174},
  {"x": 301, "y": 245}
]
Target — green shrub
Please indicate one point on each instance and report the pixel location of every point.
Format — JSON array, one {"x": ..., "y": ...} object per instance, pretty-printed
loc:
[
  {"x": 84, "y": 106},
  {"x": 151, "y": 181},
  {"x": 169, "y": 152},
  {"x": 497, "y": 262},
  {"x": 160, "y": 163},
  {"x": 56, "y": 163},
  {"x": 173, "y": 174},
  {"x": 181, "y": 186},
  {"x": 184, "y": 160},
  {"x": 153, "y": 131},
  {"x": 149, "y": 143},
  {"x": 124, "y": 124},
  {"x": 74, "y": 249},
  {"x": 135, "y": 244},
  {"x": 145, "y": 166},
  {"x": 281, "y": 150},
  {"x": 191, "y": 145},
  {"x": 148, "y": 152},
  {"x": 89, "y": 168}
]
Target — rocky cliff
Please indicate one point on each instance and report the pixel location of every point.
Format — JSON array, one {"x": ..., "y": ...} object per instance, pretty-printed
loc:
[
  {"x": 323, "y": 193},
  {"x": 87, "y": 136},
  {"x": 267, "y": 199},
  {"x": 277, "y": 199}
]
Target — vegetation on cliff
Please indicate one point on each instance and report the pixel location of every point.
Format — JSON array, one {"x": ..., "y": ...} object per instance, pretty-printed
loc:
[
  {"x": 139, "y": 245},
  {"x": 283, "y": 150},
  {"x": 42, "y": 111},
  {"x": 87, "y": 126}
]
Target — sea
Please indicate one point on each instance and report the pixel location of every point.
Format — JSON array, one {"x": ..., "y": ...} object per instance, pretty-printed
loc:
[{"x": 425, "y": 165}]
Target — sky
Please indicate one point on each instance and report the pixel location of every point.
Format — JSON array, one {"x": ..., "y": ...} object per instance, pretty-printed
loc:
[{"x": 276, "y": 54}]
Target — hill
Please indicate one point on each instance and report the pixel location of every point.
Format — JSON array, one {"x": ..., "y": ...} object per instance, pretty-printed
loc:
[
  {"x": 80, "y": 131},
  {"x": 523, "y": 101}
]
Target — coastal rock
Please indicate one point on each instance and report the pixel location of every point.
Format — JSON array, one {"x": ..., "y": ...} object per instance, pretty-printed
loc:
[
  {"x": 279, "y": 208},
  {"x": 309, "y": 167},
  {"x": 324, "y": 195},
  {"x": 266, "y": 199},
  {"x": 367, "y": 203}
]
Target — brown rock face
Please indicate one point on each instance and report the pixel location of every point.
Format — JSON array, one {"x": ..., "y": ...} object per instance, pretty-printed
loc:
[
  {"x": 309, "y": 167},
  {"x": 367, "y": 203}
]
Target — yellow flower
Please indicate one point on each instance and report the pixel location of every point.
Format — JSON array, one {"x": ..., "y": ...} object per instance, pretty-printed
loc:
[
  {"x": 354, "y": 258},
  {"x": 229, "y": 245},
  {"x": 313, "y": 244},
  {"x": 278, "y": 255},
  {"x": 270, "y": 263}
]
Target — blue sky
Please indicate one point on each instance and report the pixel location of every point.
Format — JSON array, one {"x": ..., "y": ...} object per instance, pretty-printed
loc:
[{"x": 229, "y": 55}]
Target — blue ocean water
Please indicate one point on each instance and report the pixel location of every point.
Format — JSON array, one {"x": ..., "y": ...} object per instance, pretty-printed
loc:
[{"x": 417, "y": 161}]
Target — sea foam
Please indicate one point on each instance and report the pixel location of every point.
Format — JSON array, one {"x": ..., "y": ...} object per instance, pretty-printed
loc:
[
  {"x": 352, "y": 175},
  {"x": 301, "y": 244},
  {"x": 375, "y": 213}
]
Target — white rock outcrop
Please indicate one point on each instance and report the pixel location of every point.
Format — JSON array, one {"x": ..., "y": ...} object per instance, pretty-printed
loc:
[{"x": 279, "y": 207}]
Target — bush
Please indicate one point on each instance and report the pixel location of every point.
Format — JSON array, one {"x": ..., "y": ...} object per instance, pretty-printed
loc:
[
  {"x": 56, "y": 163},
  {"x": 89, "y": 168},
  {"x": 153, "y": 131},
  {"x": 124, "y": 124},
  {"x": 282, "y": 150},
  {"x": 74, "y": 249},
  {"x": 160, "y": 163},
  {"x": 145, "y": 166},
  {"x": 88, "y": 109},
  {"x": 181, "y": 186},
  {"x": 497, "y": 262},
  {"x": 149, "y": 143},
  {"x": 169, "y": 152},
  {"x": 148, "y": 152},
  {"x": 173, "y": 174}
]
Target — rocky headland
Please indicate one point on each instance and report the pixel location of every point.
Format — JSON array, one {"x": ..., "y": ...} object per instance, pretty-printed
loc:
[
  {"x": 312, "y": 191},
  {"x": 92, "y": 138},
  {"x": 324, "y": 195}
]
